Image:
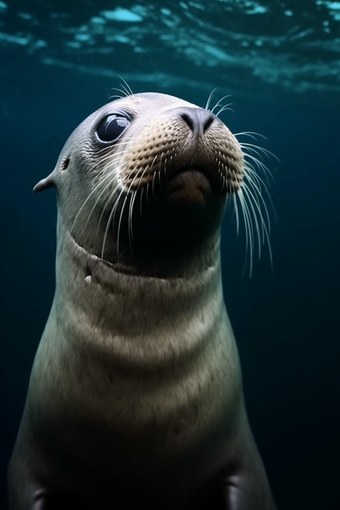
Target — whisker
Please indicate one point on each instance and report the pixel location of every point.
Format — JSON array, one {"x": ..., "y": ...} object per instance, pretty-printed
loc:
[
  {"x": 259, "y": 164},
  {"x": 147, "y": 194},
  {"x": 153, "y": 185},
  {"x": 160, "y": 166},
  {"x": 251, "y": 195},
  {"x": 257, "y": 195},
  {"x": 251, "y": 134},
  {"x": 110, "y": 173},
  {"x": 109, "y": 199},
  {"x": 154, "y": 175},
  {"x": 251, "y": 233},
  {"x": 219, "y": 103},
  {"x": 130, "y": 219},
  {"x": 97, "y": 200},
  {"x": 122, "y": 91},
  {"x": 250, "y": 177},
  {"x": 126, "y": 86},
  {"x": 211, "y": 95},
  {"x": 223, "y": 109},
  {"x": 116, "y": 96},
  {"x": 130, "y": 226},
  {"x": 253, "y": 147},
  {"x": 88, "y": 198},
  {"x": 165, "y": 163},
  {"x": 140, "y": 202},
  {"x": 248, "y": 231},
  {"x": 110, "y": 219},
  {"x": 262, "y": 221},
  {"x": 236, "y": 214},
  {"x": 248, "y": 194},
  {"x": 111, "y": 160},
  {"x": 119, "y": 224}
]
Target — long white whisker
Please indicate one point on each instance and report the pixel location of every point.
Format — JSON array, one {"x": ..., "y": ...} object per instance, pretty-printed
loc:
[
  {"x": 110, "y": 218},
  {"x": 259, "y": 196},
  {"x": 153, "y": 184},
  {"x": 122, "y": 91},
  {"x": 119, "y": 224},
  {"x": 245, "y": 219},
  {"x": 113, "y": 214},
  {"x": 251, "y": 134},
  {"x": 147, "y": 194},
  {"x": 259, "y": 151},
  {"x": 134, "y": 193},
  {"x": 98, "y": 198},
  {"x": 249, "y": 195},
  {"x": 109, "y": 199},
  {"x": 211, "y": 95},
  {"x": 259, "y": 164},
  {"x": 88, "y": 198},
  {"x": 111, "y": 162},
  {"x": 219, "y": 103},
  {"x": 132, "y": 201},
  {"x": 223, "y": 109},
  {"x": 126, "y": 86},
  {"x": 141, "y": 195},
  {"x": 256, "y": 196},
  {"x": 236, "y": 214},
  {"x": 116, "y": 96},
  {"x": 247, "y": 230},
  {"x": 140, "y": 203},
  {"x": 263, "y": 223}
]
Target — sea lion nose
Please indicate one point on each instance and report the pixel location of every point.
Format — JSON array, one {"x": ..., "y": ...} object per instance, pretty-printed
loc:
[{"x": 198, "y": 119}]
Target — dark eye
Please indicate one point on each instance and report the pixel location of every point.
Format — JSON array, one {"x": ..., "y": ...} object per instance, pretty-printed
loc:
[{"x": 112, "y": 127}]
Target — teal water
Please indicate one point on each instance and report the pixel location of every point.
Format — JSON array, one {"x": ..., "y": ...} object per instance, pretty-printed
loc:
[{"x": 280, "y": 62}]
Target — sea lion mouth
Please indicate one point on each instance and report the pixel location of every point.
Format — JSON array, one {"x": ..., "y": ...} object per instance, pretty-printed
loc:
[
  {"x": 200, "y": 175},
  {"x": 195, "y": 184},
  {"x": 191, "y": 186}
]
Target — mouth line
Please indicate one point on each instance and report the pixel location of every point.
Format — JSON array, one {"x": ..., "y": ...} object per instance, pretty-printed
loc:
[
  {"x": 106, "y": 272},
  {"x": 212, "y": 176},
  {"x": 92, "y": 261}
]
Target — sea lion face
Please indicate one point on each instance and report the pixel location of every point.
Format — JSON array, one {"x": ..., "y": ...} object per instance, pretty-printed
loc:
[{"x": 147, "y": 172}]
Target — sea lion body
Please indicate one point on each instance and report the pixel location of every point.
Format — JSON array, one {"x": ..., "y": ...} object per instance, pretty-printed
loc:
[{"x": 135, "y": 397}]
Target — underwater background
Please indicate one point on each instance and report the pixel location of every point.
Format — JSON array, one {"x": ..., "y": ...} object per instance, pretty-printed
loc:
[{"x": 280, "y": 62}]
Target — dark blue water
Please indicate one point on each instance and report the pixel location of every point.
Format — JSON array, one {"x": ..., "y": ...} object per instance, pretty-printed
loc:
[{"x": 281, "y": 64}]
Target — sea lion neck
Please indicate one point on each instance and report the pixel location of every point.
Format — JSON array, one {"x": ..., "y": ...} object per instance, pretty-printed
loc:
[
  {"x": 114, "y": 296},
  {"x": 184, "y": 263}
]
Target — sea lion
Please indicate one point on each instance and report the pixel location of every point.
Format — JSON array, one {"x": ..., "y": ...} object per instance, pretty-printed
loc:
[{"x": 135, "y": 397}]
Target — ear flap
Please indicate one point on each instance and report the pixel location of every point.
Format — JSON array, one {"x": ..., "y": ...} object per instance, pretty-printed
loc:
[{"x": 46, "y": 183}]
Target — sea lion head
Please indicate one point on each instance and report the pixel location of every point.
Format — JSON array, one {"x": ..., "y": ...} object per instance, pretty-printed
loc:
[{"x": 147, "y": 177}]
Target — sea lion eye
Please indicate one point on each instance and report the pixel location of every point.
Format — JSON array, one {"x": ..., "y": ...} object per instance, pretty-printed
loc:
[{"x": 112, "y": 127}]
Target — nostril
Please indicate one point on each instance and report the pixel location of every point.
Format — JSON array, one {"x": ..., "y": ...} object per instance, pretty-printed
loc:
[
  {"x": 207, "y": 120},
  {"x": 198, "y": 119},
  {"x": 188, "y": 118}
]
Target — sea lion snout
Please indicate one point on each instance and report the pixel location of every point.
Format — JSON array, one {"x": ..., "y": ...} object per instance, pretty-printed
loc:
[
  {"x": 179, "y": 139},
  {"x": 198, "y": 119}
]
